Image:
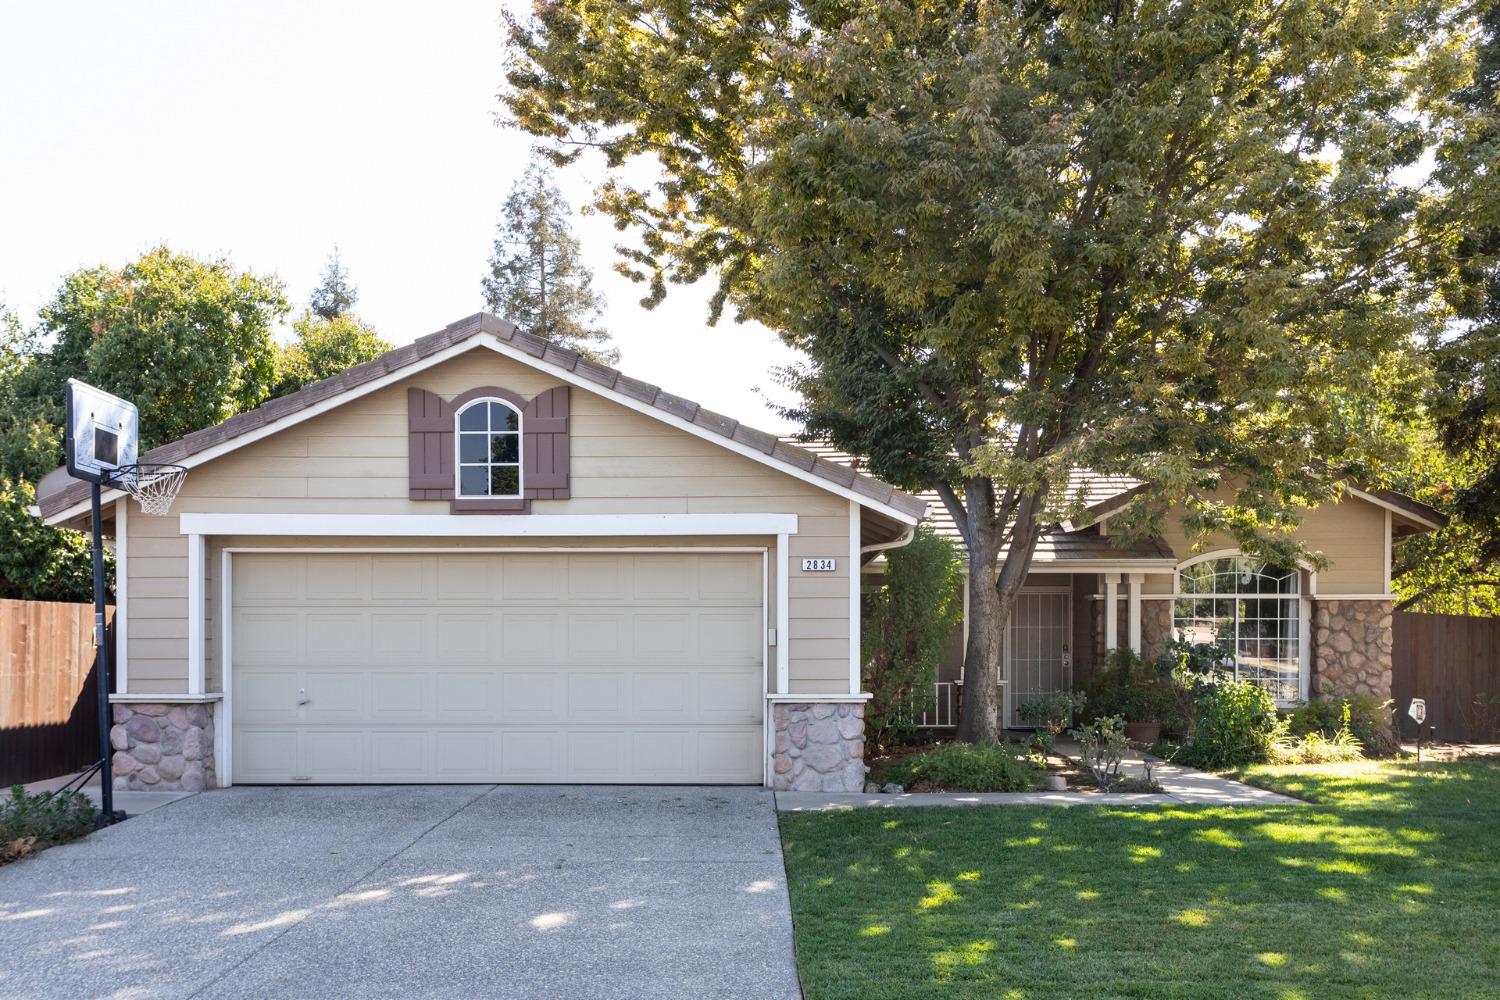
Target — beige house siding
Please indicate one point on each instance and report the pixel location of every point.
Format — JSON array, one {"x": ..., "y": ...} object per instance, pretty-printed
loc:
[
  {"x": 353, "y": 459},
  {"x": 1350, "y": 535}
]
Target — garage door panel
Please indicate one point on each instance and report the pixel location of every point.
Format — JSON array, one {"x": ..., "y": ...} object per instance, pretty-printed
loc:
[
  {"x": 336, "y": 696},
  {"x": 267, "y": 638},
  {"x": 662, "y": 695},
  {"x": 531, "y": 696},
  {"x": 531, "y": 755},
  {"x": 262, "y": 696},
  {"x": 401, "y": 697},
  {"x": 265, "y": 754},
  {"x": 597, "y": 637},
  {"x": 597, "y": 696},
  {"x": 402, "y": 638},
  {"x": 464, "y": 578},
  {"x": 601, "y": 755},
  {"x": 465, "y": 695},
  {"x": 338, "y": 578},
  {"x": 520, "y": 667},
  {"x": 337, "y": 637},
  {"x": 531, "y": 637},
  {"x": 599, "y": 578},
  {"x": 464, "y": 638},
  {"x": 728, "y": 697},
  {"x": 399, "y": 755},
  {"x": 463, "y": 755},
  {"x": 334, "y": 755}
]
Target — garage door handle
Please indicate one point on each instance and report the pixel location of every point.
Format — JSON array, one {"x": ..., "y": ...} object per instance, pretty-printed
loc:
[{"x": 302, "y": 698}]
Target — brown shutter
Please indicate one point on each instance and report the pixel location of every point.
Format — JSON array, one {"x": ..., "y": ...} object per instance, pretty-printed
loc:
[
  {"x": 544, "y": 445},
  {"x": 429, "y": 425}
]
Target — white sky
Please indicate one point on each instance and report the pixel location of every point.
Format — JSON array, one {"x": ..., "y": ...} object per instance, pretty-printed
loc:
[{"x": 270, "y": 131}]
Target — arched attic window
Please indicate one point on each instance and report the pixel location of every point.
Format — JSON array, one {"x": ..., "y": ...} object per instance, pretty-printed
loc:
[
  {"x": 1254, "y": 611},
  {"x": 488, "y": 436}
]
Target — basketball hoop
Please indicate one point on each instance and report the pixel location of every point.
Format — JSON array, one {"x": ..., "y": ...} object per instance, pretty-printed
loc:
[{"x": 153, "y": 484}]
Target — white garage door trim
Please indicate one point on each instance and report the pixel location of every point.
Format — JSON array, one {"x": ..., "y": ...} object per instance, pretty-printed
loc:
[{"x": 224, "y": 725}]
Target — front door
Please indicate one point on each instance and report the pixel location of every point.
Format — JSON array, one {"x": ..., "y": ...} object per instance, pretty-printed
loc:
[{"x": 1038, "y": 648}]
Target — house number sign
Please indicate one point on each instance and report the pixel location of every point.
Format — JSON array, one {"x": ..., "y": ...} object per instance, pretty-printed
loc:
[{"x": 819, "y": 565}]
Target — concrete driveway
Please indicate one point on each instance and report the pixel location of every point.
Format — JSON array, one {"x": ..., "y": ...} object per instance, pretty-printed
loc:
[{"x": 439, "y": 891}]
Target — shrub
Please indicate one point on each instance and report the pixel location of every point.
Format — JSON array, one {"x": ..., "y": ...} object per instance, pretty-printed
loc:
[
  {"x": 966, "y": 767},
  {"x": 907, "y": 623},
  {"x": 1103, "y": 748},
  {"x": 1133, "y": 690},
  {"x": 1235, "y": 726},
  {"x": 1366, "y": 717},
  {"x": 1050, "y": 714},
  {"x": 31, "y": 822}
]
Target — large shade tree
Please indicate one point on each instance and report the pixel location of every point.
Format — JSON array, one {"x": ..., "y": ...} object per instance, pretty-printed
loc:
[{"x": 1163, "y": 240}]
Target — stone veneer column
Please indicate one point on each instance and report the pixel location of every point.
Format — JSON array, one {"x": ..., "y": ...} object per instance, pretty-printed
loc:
[
  {"x": 820, "y": 746},
  {"x": 1156, "y": 627},
  {"x": 162, "y": 747},
  {"x": 1352, "y": 648}
]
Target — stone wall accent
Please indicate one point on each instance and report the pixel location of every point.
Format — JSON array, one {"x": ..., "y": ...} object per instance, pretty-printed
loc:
[
  {"x": 162, "y": 747},
  {"x": 1352, "y": 648},
  {"x": 820, "y": 747},
  {"x": 1156, "y": 627}
]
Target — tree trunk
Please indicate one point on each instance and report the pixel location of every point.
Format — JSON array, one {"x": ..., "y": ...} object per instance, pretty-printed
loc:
[
  {"x": 992, "y": 599},
  {"x": 980, "y": 722}
]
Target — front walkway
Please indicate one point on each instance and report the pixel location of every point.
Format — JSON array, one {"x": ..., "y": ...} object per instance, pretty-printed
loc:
[
  {"x": 413, "y": 891},
  {"x": 1180, "y": 786}
]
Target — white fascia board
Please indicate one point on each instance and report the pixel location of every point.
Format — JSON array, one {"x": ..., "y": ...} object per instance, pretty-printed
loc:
[
  {"x": 475, "y": 526},
  {"x": 293, "y": 419},
  {"x": 754, "y": 454}
]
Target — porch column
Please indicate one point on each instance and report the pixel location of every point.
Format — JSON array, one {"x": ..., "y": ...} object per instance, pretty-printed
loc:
[
  {"x": 1111, "y": 612},
  {"x": 1133, "y": 611}
]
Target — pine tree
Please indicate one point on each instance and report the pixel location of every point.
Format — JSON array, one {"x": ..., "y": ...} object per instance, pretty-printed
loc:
[
  {"x": 336, "y": 296},
  {"x": 537, "y": 279}
]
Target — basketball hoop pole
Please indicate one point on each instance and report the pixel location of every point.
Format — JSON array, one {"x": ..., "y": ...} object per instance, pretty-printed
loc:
[{"x": 101, "y": 665}]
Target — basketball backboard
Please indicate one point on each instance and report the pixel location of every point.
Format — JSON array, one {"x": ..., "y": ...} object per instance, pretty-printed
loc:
[{"x": 101, "y": 433}]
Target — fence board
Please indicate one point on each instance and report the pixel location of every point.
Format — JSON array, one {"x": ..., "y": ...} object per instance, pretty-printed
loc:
[
  {"x": 1453, "y": 662},
  {"x": 48, "y": 701}
]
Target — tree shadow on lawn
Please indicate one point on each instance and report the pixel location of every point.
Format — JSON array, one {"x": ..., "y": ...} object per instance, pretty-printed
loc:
[{"x": 1389, "y": 885}]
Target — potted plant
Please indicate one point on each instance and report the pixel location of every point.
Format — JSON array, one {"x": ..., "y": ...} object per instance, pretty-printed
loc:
[{"x": 1136, "y": 692}]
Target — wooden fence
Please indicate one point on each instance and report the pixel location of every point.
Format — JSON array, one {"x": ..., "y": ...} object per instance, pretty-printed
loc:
[
  {"x": 1453, "y": 663},
  {"x": 48, "y": 703}
]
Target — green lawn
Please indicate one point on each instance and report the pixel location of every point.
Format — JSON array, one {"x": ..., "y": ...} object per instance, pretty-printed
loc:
[{"x": 1388, "y": 886}]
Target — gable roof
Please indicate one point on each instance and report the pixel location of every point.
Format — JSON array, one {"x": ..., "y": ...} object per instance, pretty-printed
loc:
[
  {"x": 58, "y": 495},
  {"x": 1058, "y": 544}
]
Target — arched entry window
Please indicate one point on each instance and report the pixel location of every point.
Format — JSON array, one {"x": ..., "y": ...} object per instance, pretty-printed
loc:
[
  {"x": 489, "y": 449},
  {"x": 1253, "y": 611}
]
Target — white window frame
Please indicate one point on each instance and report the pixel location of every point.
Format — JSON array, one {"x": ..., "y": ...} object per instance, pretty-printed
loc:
[
  {"x": 1307, "y": 587},
  {"x": 458, "y": 463}
]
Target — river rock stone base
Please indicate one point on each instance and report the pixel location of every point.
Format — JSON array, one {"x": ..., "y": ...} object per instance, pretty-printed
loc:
[
  {"x": 820, "y": 747},
  {"x": 163, "y": 747},
  {"x": 1352, "y": 648}
]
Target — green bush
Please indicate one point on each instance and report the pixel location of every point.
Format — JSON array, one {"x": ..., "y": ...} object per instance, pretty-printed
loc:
[
  {"x": 907, "y": 622},
  {"x": 1235, "y": 726},
  {"x": 966, "y": 767},
  {"x": 31, "y": 822},
  {"x": 1050, "y": 714},
  {"x": 1368, "y": 720},
  {"x": 1134, "y": 690}
]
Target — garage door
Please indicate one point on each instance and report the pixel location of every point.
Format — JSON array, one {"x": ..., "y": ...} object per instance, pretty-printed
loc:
[{"x": 524, "y": 667}]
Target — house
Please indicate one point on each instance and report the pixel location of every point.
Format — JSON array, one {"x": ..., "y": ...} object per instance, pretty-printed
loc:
[
  {"x": 483, "y": 558},
  {"x": 1298, "y": 631}
]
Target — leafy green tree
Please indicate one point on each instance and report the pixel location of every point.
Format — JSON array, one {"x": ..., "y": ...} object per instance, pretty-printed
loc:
[
  {"x": 1165, "y": 241},
  {"x": 187, "y": 340},
  {"x": 1457, "y": 570},
  {"x": 335, "y": 295},
  {"x": 907, "y": 623},
  {"x": 39, "y": 562},
  {"x": 323, "y": 348},
  {"x": 537, "y": 278}
]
